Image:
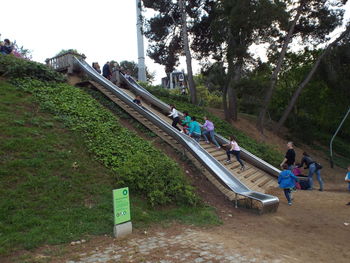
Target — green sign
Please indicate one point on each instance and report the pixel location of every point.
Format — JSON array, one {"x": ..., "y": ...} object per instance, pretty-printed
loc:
[{"x": 121, "y": 205}]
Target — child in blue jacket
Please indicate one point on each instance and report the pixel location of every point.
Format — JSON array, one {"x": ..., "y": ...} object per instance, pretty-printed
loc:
[{"x": 286, "y": 181}]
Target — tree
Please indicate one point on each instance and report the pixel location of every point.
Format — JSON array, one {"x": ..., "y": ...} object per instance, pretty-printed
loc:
[
  {"x": 236, "y": 25},
  {"x": 317, "y": 20},
  {"x": 302, "y": 85},
  {"x": 168, "y": 34},
  {"x": 132, "y": 68}
]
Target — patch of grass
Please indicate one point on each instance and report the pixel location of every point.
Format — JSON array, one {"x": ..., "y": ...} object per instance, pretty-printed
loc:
[
  {"x": 45, "y": 199},
  {"x": 199, "y": 216}
]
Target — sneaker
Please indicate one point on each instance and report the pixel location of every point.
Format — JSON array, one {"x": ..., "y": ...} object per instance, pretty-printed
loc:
[
  {"x": 228, "y": 161},
  {"x": 207, "y": 142},
  {"x": 218, "y": 147},
  {"x": 242, "y": 168},
  {"x": 289, "y": 203},
  {"x": 321, "y": 190},
  {"x": 348, "y": 203}
]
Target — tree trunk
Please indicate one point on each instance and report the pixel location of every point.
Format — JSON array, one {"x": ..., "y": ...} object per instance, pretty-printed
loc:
[
  {"x": 224, "y": 103},
  {"x": 191, "y": 84},
  {"x": 233, "y": 105},
  {"x": 307, "y": 79},
  {"x": 261, "y": 118}
]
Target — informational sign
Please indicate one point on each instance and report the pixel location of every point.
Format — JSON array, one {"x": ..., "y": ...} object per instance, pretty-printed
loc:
[{"x": 121, "y": 205}]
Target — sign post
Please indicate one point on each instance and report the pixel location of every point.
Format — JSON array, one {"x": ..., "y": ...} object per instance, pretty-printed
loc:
[{"x": 121, "y": 206}]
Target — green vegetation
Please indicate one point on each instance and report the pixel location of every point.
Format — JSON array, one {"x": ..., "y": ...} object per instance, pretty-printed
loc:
[
  {"x": 62, "y": 153},
  {"x": 262, "y": 150},
  {"x": 135, "y": 162},
  {"x": 13, "y": 67}
]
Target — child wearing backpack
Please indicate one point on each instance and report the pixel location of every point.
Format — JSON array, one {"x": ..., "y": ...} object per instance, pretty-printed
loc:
[{"x": 286, "y": 181}]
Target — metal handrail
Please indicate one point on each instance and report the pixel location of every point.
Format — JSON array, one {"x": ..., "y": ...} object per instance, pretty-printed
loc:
[{"x": 208, "y": 161}]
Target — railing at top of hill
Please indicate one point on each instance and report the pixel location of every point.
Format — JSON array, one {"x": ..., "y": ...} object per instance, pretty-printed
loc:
[{"x": 64, "y": 61}]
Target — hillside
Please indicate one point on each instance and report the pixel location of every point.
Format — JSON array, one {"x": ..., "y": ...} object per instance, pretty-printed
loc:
[{"x": 55, "y": 189}]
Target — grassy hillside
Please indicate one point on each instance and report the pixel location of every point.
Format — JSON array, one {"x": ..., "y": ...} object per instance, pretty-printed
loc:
[{"x": 62, "y": 153}]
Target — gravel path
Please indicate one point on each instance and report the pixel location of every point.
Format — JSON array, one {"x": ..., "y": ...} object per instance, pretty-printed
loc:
[{"x": 189, "y": 246}]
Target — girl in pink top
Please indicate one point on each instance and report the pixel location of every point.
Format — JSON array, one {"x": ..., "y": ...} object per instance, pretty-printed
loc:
[{"x": 235, "y": 150}]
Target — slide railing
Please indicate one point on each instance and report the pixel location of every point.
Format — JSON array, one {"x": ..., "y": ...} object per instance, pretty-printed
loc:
[
  {"x": 256, "y": 161},
  {"x": 268, "y": 202}
]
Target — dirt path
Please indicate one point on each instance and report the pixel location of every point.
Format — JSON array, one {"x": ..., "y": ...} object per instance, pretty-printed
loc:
[{"x": 311, "y": 230}]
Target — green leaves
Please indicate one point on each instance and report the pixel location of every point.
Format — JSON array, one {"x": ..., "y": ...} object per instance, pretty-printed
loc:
[
  {"x": 16, "y": 67},
  {"x": 136, "y": 162}
]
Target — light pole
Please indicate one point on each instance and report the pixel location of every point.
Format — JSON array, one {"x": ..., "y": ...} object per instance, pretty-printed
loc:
[{"x": 140, "y": 45}]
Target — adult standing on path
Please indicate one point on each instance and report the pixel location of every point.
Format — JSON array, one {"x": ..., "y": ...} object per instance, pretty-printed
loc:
[
  {"x": 175, "y": 116},
  {"x": 289, "y": 159},
  {"x": 313, "y": 168},
  {"x": 106, "y": 72},
  {"x": 209, "y": 129}
]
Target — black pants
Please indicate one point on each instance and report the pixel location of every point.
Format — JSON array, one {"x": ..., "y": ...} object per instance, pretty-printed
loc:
[
  {"x": 287, "y": 194},
  {"x": 175, "y": 122},
  {"x": 236, "y": 153}
]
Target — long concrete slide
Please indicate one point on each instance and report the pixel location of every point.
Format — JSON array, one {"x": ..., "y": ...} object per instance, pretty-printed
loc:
[{"x": 245, "y": 188}]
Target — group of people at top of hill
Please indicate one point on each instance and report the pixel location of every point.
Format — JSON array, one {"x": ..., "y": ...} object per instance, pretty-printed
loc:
[
  {"x": 112, "y": 71},
  {"x": 6, "y": 47},
  {"x": 192, "y": 128},
  {"x": 288, "y": 179},
  {"x": 108, "y": 68}
]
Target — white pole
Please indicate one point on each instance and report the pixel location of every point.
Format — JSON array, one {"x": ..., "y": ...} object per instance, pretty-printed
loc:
[{"x": 140, "y": 45}]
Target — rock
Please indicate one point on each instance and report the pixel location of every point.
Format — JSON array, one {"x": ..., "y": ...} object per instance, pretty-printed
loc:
[
  {"x": 83, "y": 241},
  {"x": 72, "y": 243},
  {"x": 78, "y": 242}
]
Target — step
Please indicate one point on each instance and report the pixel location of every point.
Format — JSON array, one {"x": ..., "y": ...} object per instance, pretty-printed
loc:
[
  {"x": 261, "y": 179},
  {"x": 271, "y": 183},
  {"x": 222, "y": 157},
  {"x": 218, "y": 153},
  {"x": 250, "y": 173},
  {"x": 256, "y": 176},
  {"x": 212, "y": 149},
  {"x": 264, "y": 182}
]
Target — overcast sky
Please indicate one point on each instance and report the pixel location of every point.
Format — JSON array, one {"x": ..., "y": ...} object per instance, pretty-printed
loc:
[{"x": 102, "y": 30}]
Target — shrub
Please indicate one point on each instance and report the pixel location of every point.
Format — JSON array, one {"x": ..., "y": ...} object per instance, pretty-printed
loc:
[{"x": 14, "y": 67}]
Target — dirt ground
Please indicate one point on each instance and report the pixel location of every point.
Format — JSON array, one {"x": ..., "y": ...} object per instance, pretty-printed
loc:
[
  {"x": 311, "y": 230},
  {"x": 316, "y": 228}
]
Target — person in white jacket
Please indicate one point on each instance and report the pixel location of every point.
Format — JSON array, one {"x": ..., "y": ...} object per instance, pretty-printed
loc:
[{"x": 175, "y": 116}]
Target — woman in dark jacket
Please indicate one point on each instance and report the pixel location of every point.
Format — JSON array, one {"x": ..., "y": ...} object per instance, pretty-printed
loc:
[{"x": 313, "y": 169}]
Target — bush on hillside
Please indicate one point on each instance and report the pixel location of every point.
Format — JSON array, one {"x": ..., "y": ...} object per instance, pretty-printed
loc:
[
  {"x": 137, "y": 164},
  {"x": 14, "y": 67}
]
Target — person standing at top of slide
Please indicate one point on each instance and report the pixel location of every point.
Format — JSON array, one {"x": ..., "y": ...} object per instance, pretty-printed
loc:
[
  {"x": 175, "y": 116},
  {"x": 289, "y": 159},
  {"x": 106, "y": 72}
]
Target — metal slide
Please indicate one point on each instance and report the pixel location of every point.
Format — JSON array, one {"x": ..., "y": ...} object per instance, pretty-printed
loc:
[{"x": 268, "y": 202}]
